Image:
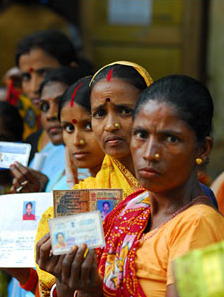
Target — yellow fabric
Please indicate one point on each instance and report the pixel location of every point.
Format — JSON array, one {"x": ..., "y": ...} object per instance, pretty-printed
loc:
[
  {"x": 200, "y": 273},
  {"x": 142, "y": 71},
  {"x": 46, "y": 280},
  {"x": 29, "y": 114},
  {"x": 196, "y": 227},
  {"x": 111, "y": 175}
]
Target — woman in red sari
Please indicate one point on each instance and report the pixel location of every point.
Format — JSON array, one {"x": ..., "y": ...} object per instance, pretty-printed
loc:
[{"x": 150, "y": 228}]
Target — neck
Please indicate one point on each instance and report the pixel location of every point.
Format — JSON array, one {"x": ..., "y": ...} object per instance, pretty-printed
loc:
[
  {"x": 171, "y": 201},
  {"x": 93, "y": 171},
  {"x": 128, "y": 163}
]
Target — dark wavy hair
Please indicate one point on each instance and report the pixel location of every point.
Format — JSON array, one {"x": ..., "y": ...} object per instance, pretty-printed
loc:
[
  {"x": 123, "y": 72},
  {"x": 66, "y": 75},
  {"x": 82, "y": 96},
  {"x": 189, "y": 97},
  {"x": 53, "y": 42}
]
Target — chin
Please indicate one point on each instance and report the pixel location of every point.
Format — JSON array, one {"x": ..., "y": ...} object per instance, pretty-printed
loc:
[
  {"x": 82, "y": 164},
  {"x": 117, "y": 153},
  {"x": 56, "y": 140}
]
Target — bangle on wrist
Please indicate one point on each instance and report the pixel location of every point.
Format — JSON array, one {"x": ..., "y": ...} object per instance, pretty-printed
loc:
[
  {"x": 53, "y": 292},
  {"x": 76, "y": 293}
]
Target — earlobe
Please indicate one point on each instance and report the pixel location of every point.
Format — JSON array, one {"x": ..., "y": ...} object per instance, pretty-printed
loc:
[{"x": 206, "y": 149}]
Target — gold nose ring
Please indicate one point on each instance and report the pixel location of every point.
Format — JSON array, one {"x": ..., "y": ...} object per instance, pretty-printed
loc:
[
  {"x": 117, "y": 125},
  {"x": 82, "y": 142}
]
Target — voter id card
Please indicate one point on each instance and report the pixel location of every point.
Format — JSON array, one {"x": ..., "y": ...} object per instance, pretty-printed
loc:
[
  {"x": 13, "y": 151},
  {"x": 68, "y": 231}
]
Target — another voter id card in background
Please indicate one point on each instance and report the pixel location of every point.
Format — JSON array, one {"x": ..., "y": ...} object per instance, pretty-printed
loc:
[
  {"x": 13, "y": 151},
  {"x": 77, "y": 229}
]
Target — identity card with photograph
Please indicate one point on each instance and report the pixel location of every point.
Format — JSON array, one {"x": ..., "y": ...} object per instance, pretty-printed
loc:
[
  {"x": 69, "y": 202},
  {"x": 20, "y": 215},
  {"x": 77, "y": 229},
  {"x": 13, "y": 151}
]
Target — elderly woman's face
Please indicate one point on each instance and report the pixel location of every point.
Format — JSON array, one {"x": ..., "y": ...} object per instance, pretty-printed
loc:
[
  {"x": 112, "y": 104},
  {"x": 163, "y": 148}
]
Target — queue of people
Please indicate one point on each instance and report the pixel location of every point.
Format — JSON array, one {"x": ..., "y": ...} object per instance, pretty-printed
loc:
[{"x": 115, "y": 129}]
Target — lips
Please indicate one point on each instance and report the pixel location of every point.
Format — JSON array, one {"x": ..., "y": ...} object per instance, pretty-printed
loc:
[
  {"x": 148, "y": 172},
  {"x": 80, "y": 155},
  {"x": 36, "y": 101},
  {"x": 55, "y": 130},
  {"x": 113, "y": 140}
]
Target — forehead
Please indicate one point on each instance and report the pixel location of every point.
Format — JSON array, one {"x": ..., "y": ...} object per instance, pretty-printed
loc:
[
  {"x": 158, "y": 115},
  {"x": 37, "y": 58},
  {"x": 77, "y": 112},
  {"x": 53, "y": 90},
  {"x": 118, "y": 90}
]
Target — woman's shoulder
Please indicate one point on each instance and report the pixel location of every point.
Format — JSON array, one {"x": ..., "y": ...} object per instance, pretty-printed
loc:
[
  {"x": 202, "y": 210},
  {"x": 88, "y": 183},
  {"x": 48, "y": 214},
  {"x": 199, "y": 218}
]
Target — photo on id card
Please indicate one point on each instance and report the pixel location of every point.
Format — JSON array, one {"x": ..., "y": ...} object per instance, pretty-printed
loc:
[{"x": 68, "y": 231}]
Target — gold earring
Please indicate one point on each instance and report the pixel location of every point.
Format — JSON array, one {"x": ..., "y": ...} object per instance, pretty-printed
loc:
[
  {"x": 117, "y": 125},
  {"x": 199, "y": 161},
  {"x": 82, "y": 142},
  {"x": 157, "y": 156}
]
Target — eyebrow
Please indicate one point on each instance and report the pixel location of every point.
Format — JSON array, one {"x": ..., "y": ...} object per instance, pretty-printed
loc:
[
  {"x": 51, "y": 98},
  {"x": 99, "y": 106},
  {"x": 124, "y": 105},
  {"x": 85, "y": 120},
  {"x": 43, "y": 69},
  {"x": 167, "y": 132},
  {"x": 37, "y": 70}
]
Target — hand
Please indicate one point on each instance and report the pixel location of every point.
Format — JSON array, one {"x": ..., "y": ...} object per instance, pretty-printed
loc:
[
  {"x": 72, "y": 270},
  {"x": 46, "y": 260},
  {"x": 80, "y": 272},
  {"x": 27, "y": 180}
]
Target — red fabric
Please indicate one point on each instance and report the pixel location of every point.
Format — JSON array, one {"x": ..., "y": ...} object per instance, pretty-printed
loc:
[
  {"x": 123, "y": 228},
  {"x": 29, "y": 218},
  {"x": 55, "y": 293},
  {"x": 12, "y": 93},
  {"x": 32, "y": 281}
]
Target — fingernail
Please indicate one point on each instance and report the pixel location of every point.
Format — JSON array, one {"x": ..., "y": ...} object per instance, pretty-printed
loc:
[{"x": 11, "y": 166}]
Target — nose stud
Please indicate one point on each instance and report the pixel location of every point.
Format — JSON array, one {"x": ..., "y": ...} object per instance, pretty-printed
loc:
[
  {"x": 82, "y": 142},
  {"x": 117, "y": 125},
  {"x": 157, "y": 156}
]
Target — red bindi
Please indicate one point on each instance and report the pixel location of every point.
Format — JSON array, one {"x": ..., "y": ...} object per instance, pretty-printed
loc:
[
  {"x": 74, "y": 93},
  {"x": 31, "y": 69},
  {"x": 109, "y": 75},
  {"x": 74, "y": 121}
]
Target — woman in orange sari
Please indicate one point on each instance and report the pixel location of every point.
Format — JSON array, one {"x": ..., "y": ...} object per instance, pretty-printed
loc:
[{"x": 150, "y": 228}]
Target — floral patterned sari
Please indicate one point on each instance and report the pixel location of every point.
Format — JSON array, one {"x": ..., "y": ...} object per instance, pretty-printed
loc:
[{"x": 123, "y": 228}]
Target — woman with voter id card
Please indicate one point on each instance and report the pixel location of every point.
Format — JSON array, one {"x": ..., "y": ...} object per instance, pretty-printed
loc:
[
  {"x": 147, "y": 231},
  {"x": 114, "y": 92}
]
